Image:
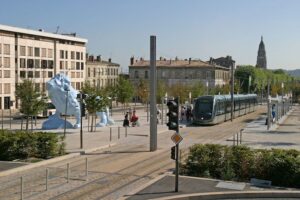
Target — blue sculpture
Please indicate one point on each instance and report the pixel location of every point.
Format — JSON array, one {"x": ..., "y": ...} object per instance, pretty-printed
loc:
[{"x": 63, "y": 97}]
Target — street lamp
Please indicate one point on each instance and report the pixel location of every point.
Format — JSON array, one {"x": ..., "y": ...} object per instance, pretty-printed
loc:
[
  {"x": 206, "y": 87},
  {"x": 67, "y": 98}
]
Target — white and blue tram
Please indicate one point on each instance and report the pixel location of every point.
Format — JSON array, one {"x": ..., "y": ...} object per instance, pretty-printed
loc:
[{"x": 217, "y": 109}]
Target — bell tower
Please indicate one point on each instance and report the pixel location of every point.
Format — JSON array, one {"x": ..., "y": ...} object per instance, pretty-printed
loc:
[{"x": 261, "y": 56}]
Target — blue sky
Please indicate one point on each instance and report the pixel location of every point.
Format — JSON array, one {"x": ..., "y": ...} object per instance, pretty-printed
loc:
[{"x": 185, "y": 28}]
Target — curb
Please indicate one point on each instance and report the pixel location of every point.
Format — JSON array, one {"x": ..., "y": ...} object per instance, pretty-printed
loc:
[
  {"x": 133, "y": 192},
  {"x": 234, "y": 195}
]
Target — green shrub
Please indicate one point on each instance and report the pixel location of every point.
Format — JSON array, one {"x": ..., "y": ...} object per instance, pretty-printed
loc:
[
  {"x": 241, "y": 163},
  {"x": 22, "y": 145}
]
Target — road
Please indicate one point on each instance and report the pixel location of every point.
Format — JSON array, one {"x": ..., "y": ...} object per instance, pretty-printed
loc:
[{"x": 122, "y": 168}]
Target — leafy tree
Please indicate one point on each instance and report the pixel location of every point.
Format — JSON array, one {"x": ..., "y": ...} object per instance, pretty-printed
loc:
[
  {"x": 95, "y": 100},
  {"x": 124, "y": 90},
  {"x": 142, "y": 90},
  {"x": 32, "y": 101},
  {"x": 161, "y": 90},
  {"x": 197, "y": 89}
]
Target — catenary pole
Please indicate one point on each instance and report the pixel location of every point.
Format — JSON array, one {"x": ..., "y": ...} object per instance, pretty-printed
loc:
[{"x": 153, "y": 114}]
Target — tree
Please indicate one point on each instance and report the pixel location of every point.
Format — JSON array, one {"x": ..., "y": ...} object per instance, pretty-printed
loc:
[
  {"x": 95, "y": 100},
  {"x": 124, "y": 90},
  {"x": 142, "y": 90},
  {"x": 32, "y": 101}
]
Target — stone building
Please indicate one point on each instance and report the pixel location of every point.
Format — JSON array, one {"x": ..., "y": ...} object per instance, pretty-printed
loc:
[
  {"x": 185, "y": 71},
  {"x": 261, "y": 56},
  {"x": 101, "y": 73},
  {"x": 37, "y": 55}
]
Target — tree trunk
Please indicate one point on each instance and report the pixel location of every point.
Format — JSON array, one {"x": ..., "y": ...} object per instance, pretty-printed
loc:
[
  {"x": 92, "y": 122},
  {"x": 27, "y": 122}
]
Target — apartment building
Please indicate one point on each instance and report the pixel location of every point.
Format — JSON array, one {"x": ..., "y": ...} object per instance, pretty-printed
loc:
[
  {"x": 101, "y": 73},
  {"x": 185, "y": 71},
  {"x": 38, "y": 55}
]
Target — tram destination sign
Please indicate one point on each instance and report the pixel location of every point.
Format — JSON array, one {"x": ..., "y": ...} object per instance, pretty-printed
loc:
[{"x": 176, "y": 138}]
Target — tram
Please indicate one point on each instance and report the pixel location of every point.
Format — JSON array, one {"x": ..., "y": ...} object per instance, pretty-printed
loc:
[{"x": 209, "y": 110}]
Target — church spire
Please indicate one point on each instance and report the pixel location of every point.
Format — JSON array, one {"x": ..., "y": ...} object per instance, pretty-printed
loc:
[{"x": 261, "y": 55}]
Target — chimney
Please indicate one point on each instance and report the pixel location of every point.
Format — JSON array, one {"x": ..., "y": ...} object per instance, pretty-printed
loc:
[
  {"x": 91, "y": 58},
  {"x": 141, "y": 59},
  {"x": 109, "y": 60},
  {"x": 131, "y": 60},
  {"x": 87, "y": 56},
  {"x": 160, "y": 58},
  {"x": 99, "y": 58},
  {"x": 190, "y": 59}
]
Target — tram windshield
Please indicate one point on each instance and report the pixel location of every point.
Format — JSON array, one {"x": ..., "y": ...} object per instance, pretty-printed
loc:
[{"x": 204, "y": 106}]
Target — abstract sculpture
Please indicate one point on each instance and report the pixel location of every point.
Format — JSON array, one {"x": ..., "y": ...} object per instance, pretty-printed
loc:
[
  {"x": 63, "y": 97},
  {"x": 104, "y": 118}
]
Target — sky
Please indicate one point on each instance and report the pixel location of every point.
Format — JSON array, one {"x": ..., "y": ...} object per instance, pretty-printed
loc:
[{"x": 197, "y": 29}]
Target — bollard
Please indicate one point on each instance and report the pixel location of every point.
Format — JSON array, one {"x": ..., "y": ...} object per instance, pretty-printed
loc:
[
  {"x": 118, "y": 132},
  {"x": 22, "y": 187},
  {"x": 110, "y": 134},
  {"x": 125, "y": 131},
  {"x": 68, "y": 172},
  {"x": 86, "y": 169},
  {"x": 233, "y": 140},
  {"x": 47, "y": 175}
]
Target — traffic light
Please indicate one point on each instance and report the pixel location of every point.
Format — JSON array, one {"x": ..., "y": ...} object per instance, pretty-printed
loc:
[
  {"x": 173, "y": 114},
  {"x": 173, "y": 152}
]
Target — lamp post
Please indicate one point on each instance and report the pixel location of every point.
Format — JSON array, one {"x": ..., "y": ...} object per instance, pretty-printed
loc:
[
  {"x": 190, "y": 97},
  {"x": 206, "y": 87},
  {"x": 67, "y": 98}
]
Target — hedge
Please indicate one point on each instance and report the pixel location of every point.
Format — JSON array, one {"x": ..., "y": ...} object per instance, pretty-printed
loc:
[
  {"x": 240, "y": 163},
  {"x": 22, "y": 145}
]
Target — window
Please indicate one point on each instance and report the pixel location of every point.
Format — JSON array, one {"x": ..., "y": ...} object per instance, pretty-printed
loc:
[
  {"x": 44, "y": 52},
  {"x": 37, "y": 63},
  {"x": 136, "y": 74},
  {"x": 66, "y": 64},
  {"x": 50, "y": 74},
  {"x": 6, "y": 102},
  {"x": 6, "y": 73},
  {"x": 0, "y": 93},
  {"x": 66, "y": 53},
  {"x": 50, "y": 53},
  {"x": 82, "y": 66},
  {"x": 50, "y": 64},
  {"x": 72, "y": 55},
  {"x": 0, "y": 73},
  {"x": 108, "y": 71},
  {"x": 6, "y": 62},
  {"x": 78, "y": 65},
  {"x": 23, "y": 74},
  {"x": 72, "y": 74},
  {"x": 6, "y": 88},
  {"x": 61, "y": 54},
  {"x": 73, "y": 65},
  {"x": 61, "y": 64},
  {"x": 22, "y": 51},
  {"x": 77, "y": 85},
  {"x": 81, "y": 56},
  {"x": 30, "y": 63},
  {"x": 6, "y": 49},
  {"x": 37, "y": 74},
  {"x": 30, "y": 74},
  {"x": 29, "y": 51},
  {"x": 77, "y": 55},
  {"x": 44, "y": 64},
  {"x": 22, "y": 63},
  {"x": 94, "y": 72},
  {"x": 37, "y": 52},
  {"x": 89, "y": 72},
  {"x": 0, "y": 48},
  {"x": 77, "y": 74},
  {"x": 146, "y": 74}
]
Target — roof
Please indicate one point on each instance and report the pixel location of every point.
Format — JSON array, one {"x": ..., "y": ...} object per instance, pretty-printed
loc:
[
  {"x": 102, "y": 62},
  {"x": 41, "y": 33},
  {"x": 174, "y": 63}
]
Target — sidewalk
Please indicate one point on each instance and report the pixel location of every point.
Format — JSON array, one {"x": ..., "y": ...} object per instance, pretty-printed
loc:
[{"x": 285, "y": 135}]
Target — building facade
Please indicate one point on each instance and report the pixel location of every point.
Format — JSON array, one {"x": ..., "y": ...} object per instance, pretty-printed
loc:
[
  {"x": 186, "y": 71},
  {"x": 261, "y": 55},
  {"x": 101, "y": 73},
  {"x": 38, "y": 55}
]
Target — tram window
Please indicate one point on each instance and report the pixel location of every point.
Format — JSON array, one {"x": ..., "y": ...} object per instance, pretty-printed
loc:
[{"x": 220, "y": 108}]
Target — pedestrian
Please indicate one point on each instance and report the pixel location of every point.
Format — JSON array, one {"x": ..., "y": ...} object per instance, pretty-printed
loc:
[
  {"x": 134, "y": 119},
  {"x": 126, "y": 121},
  {"x": 182, "y": 111}
]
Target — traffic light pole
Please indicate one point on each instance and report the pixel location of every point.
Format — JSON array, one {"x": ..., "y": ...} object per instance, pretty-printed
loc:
[{"x": 177, "y": 167}]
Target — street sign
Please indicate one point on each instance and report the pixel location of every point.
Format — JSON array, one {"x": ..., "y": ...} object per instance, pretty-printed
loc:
[{"x": 176, "y": 138}]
